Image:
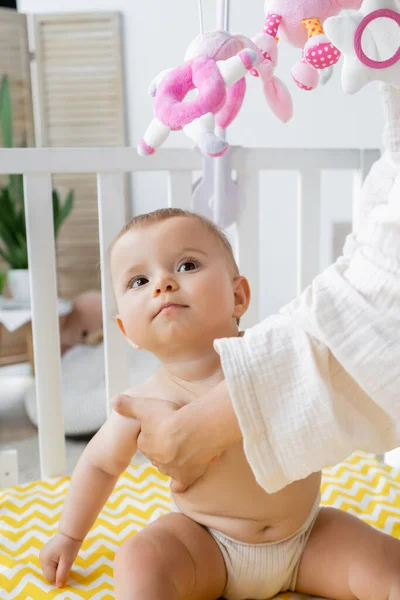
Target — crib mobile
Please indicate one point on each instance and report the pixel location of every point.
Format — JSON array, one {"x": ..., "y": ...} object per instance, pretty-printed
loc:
[{"x": 216, "y": 64}]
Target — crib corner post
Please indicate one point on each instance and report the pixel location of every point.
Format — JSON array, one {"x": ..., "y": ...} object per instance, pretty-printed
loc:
[{"x": 8, "y": 468}]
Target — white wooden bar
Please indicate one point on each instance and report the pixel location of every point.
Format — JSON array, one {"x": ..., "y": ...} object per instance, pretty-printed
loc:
[
  {"x": 222, "y": 171},
  {"x": 112, "y": 217},
  {"x": 45, "y": 323},
  {"x": 8, "y": 468},
  {"x": 293, "y": 159},
  {"x": 96, "y": 160},
  {"x": 308, "y": 227},
  {"x": 248, "y": 238},
  {"x": 180, "y": 189},
  {"x": 367, "y": 159}
]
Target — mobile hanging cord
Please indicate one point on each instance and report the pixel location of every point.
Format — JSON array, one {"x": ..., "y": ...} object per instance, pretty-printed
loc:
[
  {"x": 201, "y": 21},
  {"x": 223, "y": 15},
  {"x": 215, "y": 194},
  {"x": 221, "y": 165}
]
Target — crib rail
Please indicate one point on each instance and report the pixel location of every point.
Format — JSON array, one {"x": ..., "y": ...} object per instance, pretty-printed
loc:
[{"x": 110, "y": 164}]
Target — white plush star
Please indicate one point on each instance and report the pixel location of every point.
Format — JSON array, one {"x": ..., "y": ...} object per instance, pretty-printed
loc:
[{"x": 378, "y": 42}]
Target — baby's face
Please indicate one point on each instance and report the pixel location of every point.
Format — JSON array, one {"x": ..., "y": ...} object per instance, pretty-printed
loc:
[{"x": 179, "y": 263}]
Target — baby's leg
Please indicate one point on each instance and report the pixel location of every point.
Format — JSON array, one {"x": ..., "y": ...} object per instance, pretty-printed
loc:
[
  {"x": 347, "y": 559},
  {"x": 173, "y": 558}
]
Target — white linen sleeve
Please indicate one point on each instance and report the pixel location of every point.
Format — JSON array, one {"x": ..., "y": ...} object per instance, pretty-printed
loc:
[{"x": 322, "y": 379}]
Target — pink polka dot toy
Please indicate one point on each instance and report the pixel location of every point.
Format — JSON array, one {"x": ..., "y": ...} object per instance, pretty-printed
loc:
[{"x": 301, "y": 24}]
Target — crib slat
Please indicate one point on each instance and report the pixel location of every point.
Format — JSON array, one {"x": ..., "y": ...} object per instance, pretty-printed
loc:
[
  {"x": 45, "y": 324},
  {"x": 248, "y": 239},
  {"x": 367, "y": 159},
  {"x": 112, "y": 217},
  {"x": 308, "y": 227},
  {"x": 180, "y": 189}
]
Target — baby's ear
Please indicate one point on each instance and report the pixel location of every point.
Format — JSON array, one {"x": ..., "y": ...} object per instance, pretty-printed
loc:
[
  {"x": 121, "y": 327},
  {"x": 120, "y": 324},
  {"x": 242, "y": 295}
]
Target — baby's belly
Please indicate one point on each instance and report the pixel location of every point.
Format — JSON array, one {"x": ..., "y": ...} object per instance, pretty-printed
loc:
[{"x": 229, "y": 499}]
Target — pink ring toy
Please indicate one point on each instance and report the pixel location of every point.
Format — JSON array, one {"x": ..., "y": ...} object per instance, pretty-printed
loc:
[
  {"x": 375, "y": 64},
  {"x": 201, "y": 73}
]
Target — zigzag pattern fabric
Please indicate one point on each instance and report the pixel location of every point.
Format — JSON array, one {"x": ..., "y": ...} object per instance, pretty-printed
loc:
[{"x": 29, "y": 515}]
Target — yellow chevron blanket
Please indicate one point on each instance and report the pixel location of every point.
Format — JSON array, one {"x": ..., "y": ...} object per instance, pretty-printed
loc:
[{"x": 29, "y": 515}]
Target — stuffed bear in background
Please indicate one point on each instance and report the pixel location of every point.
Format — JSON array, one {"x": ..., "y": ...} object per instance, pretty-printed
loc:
[
  {"x": 82, "y": 366},
  {"x": 83, "y": 325},
  {"x": 84, "y": 393}
]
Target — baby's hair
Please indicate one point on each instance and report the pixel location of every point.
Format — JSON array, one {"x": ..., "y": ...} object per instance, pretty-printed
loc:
[{"x": 162, "y": 214}]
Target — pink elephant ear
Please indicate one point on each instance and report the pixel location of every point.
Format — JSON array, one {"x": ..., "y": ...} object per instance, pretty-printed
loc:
[
  {"x": 234, "y": 99},
  {"x": 279, "y": 99}
]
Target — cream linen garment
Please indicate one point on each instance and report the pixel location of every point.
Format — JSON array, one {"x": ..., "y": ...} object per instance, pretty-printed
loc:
[{"x": 322, "y": 378}]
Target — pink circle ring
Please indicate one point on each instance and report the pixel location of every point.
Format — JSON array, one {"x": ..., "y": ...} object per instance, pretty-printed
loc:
[{"x": 362, "y": 57}]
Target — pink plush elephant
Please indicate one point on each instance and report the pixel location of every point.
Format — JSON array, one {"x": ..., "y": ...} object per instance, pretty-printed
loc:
[
  {"x": 221, "y": 45},
  {"x": 216, "y": 64},
  {"x": 300, "y": 22}
]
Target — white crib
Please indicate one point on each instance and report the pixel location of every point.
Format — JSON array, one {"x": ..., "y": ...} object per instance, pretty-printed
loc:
[{"x": 110, "y": 164}]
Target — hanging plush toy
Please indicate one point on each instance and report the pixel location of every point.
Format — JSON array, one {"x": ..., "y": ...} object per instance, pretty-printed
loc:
[
  {"x": 212, "y": 79},
  {"x": 301, "y": 24},
  {"x": 220, "y": 45},
  {"x": 216, "y": 63},
  {"x": 370, "y": 42}
]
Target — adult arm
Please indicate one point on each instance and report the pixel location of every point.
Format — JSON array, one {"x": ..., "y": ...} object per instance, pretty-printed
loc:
[{"x": 322, "y": 379}]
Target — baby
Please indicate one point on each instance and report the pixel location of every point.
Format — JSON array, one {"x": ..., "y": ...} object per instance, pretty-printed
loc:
[{"x": 178, "y": 289}]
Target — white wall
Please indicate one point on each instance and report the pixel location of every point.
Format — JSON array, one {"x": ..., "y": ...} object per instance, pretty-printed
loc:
[{"x": 156, "y": 34}]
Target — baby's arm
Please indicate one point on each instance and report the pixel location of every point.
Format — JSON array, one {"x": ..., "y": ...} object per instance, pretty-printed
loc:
[{"x": 106, "y": 456}]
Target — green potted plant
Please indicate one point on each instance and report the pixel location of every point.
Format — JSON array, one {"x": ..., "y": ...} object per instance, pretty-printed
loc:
[
  {"x": 2, "y": 280},
  {"x": 13, "y": 245}
]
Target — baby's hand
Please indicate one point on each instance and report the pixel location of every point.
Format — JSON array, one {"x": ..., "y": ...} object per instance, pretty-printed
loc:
[{"x": 57, "y": 558}]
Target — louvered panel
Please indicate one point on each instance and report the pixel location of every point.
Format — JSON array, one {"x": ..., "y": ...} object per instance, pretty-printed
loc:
[
  {"x": 81, "y": 98},
  {"x": 77, "y": 250},
  {"x": 14, "y": 61}
]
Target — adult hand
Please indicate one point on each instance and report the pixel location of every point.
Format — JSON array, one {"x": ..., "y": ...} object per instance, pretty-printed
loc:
[
  {"x": 160, "y": 438},
  {"x": 181, "y": 442},
  {"x": 155, "y": 416}
]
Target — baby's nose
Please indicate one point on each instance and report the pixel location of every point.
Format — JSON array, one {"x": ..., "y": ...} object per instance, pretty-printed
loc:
[
  {"x": 166, "y": 285},
  {"x": 164, "y": 288}
]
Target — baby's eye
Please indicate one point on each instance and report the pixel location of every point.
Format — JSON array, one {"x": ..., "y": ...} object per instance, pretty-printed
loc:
[
  {"x": 188, "y": 265},
  {"x": 137, "y": 282}
]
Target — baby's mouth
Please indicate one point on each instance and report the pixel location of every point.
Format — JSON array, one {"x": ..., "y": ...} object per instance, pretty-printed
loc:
[{"x": 171, "y": 306}]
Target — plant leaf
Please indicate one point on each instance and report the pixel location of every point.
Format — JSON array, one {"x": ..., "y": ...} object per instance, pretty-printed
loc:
[
  {"x": 8, "y": 214},
  {"x": 6, "y": 257},
  {"x": 67, "y": 206},
  {"x": 5, "y": 113},
  {"x": 8, "y": 231},
  {"x": 56, "y": 211},
  {"x": 12, "y": 208},
  {"x": 16, "y": 187}
]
